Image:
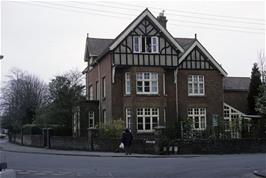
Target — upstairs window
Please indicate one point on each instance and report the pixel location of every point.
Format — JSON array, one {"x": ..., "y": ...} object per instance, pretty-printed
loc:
[
  {"x": 196, "y": 85},
  {"x": 145, "y": 44},
  {"x": 90, "y": 92},
  {"x": 127, "y": 83},
  {"x": 136, "y": 44},
  {"x": 147, "y": 83}
]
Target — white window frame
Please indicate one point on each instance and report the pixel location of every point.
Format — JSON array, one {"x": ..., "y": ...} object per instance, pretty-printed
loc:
[
  {"x": 128, "y": 118},
  {"x": 91, "y": 117},
  {"x": 90, "y": 92},
  {"x": 232, "y": 116},
  {"x": 127, "y": 84},
  {"x": 149, "y": 113},
  {"x": 196, "y": 85},
  {"x": 137, "y": 39},
  {"x": 156, "y": 44},
  {"x": 152, "y": 78},
  {"x": 199, "y": 113}
]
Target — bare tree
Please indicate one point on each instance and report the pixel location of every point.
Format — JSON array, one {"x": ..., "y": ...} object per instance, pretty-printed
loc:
[
  {"x": 22, "y": 95},
  {"x": 262, "y": 63}
]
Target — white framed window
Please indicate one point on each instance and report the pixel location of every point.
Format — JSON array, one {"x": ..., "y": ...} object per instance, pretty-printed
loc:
[
  {"x": 164, "y": 92},
  {"x": 91, "y": 119},
  {"x": 196, "y": 85},
  {"x": 104, "y": 87},
  {"x": 127, "y": 83},
  {"x": 90, "y": 92},
  {"x": 145, "y": 44},
  {"x": 198, "y": 116},
  {"x": 128, "y": 118},
  {"x": 136, "y": 44},
  {"x": 147, "y": 83},
  {"x": 154, "y": 44},
  {"x": 147, "y": 119}
]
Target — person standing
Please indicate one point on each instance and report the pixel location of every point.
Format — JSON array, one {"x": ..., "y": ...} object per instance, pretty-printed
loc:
[{"x": 127, "y": 139}]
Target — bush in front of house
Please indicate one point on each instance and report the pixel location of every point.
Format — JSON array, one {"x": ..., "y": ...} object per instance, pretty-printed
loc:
[{"x": 113, "y": 129}]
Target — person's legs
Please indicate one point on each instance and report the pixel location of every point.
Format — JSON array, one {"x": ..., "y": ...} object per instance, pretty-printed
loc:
[{"x": 126, "y": 150}]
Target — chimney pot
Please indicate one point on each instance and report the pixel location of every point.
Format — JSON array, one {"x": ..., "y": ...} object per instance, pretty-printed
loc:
[{"x": 162, "y": 19}]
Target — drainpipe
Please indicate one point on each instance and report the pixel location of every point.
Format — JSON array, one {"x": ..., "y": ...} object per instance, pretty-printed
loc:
[{"x": 176, "y": 86}]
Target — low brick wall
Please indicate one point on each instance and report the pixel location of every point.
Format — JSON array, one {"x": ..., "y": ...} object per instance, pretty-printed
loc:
[
  {"x": 33, "y": 140},
  {"x": 214, "y": 146},
  {"x": 69, "y": 143}
]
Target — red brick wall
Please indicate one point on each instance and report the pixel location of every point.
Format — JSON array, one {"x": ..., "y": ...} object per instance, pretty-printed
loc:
[
  {"x": 214, "y": 94},
  {"x": 120, "y": 101}
]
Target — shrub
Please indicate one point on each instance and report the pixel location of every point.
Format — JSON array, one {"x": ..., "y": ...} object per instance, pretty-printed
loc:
[{"x": 113, "y": 129}]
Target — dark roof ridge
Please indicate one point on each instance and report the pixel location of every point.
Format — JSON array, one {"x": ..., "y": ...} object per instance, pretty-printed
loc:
[{"x": 101, "y": 38}]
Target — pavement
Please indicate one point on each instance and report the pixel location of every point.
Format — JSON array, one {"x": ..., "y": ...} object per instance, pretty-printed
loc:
[{"x": 10, "y": 147}]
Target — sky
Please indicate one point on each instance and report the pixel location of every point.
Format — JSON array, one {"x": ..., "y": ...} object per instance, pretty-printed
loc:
[{"x": 47, "y": 38}]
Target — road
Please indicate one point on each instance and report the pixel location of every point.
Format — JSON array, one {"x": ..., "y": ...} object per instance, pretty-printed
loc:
[{"x": 59, "y": 166}]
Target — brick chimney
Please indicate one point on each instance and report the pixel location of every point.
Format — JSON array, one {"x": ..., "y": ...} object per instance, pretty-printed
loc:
[{"x": 162, "y": 19}]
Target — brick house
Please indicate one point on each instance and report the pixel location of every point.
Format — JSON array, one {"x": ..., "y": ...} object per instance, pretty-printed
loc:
[{"x": 148, "y": 78}]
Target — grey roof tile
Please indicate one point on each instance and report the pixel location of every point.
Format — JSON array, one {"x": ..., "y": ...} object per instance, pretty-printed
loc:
[{"x": 236, "y": 83}]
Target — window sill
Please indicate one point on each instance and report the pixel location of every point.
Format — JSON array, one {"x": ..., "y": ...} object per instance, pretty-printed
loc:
[
  {"x": 149, "y": 95},
  {"x": 196, "y": 95},
  {"x": 145, "y": 131}
]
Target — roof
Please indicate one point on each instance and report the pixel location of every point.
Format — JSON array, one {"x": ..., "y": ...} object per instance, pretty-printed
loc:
[
  {"x": 236, "y": 83},
  {"x": 96, "y": 46},
  {"x": 185, "y": 42}
]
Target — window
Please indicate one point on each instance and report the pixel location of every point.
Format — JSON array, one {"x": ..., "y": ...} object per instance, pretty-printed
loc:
[
  {"x": 91, "y": 119},
  {"x": 136, "y": 44},
  {"x": 90, "y": 92},
  {"x": 127, "y": 83},
  {"x": 146, "y": 44},
  {"x": 104, "y": 87},
  {"x": 198, "y": 116},
  {"x": 147, "y": 119},
  {"x": 196, "y": 85},
  {"x": 164, "y": 92},
  {"x": 97, "y": 91},
  {"x": 104, "y": 117},
  {"x": 154, "y": 44},
  {"x": 147, "y": 83},
  {"x": 128, "y": 118}
]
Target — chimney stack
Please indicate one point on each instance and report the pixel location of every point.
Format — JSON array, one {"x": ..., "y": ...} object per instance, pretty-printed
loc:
[{"x": 162, "y": 19}]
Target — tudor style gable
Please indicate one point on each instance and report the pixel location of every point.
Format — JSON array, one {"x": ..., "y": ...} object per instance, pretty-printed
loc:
[
  {"x": 145, "y": 42},
  {"x": 197, "y": 57}
]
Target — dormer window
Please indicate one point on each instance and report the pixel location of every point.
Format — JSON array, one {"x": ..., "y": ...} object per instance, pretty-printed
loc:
[{"x": 145, "y": 44}]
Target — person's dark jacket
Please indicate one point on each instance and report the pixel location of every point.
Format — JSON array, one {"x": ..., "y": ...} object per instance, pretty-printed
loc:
[{"x": 127, "y": 138}]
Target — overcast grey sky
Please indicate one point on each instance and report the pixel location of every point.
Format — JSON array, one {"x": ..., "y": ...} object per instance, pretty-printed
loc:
[{"x": 48, "y": 38}]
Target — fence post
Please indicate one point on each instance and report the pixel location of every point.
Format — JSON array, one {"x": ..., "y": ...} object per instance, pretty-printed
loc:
[
  {"x": 158, "y": 135},
  {"x": 21, "y": 135},
  {"x": 49, "y": 134}
]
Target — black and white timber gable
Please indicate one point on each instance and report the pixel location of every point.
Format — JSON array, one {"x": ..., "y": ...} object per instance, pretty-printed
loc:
[
  {"x": 197, "y": 57},
  {"x": 146, "y": 42}
]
